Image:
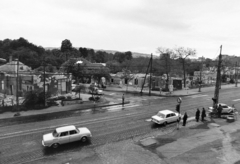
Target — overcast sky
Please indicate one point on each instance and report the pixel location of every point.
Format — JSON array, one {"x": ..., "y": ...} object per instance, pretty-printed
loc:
[{"x": 126, "y": 25}]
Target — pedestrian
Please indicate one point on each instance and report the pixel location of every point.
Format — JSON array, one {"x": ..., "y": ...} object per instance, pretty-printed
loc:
[
  {"x": 203, "y": 115},
  {"x": 219, "y": 111},
  {"x": 123, "y": 100},
  {"x": 178, "y": 120},
  {"x": 185, "y": 117},
  {"x": 197, "y": 115}
]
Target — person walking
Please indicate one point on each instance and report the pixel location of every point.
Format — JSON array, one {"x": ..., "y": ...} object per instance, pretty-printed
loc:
[
  {"x": 197, "y": 115},
  {"x": 203, "y": 115},
  {"x": 185, "y": 117},
  {"x": 178, "y": 120},
  {"x": 123, "y": 100}
]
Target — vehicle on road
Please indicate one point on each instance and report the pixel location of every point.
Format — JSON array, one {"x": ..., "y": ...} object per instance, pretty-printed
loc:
[
  {"x": 96, "y": 91},
  {"x": 225, "y": 109},
  {"x": 66, "y": 134},
  {"x": 165, "y": 116}
]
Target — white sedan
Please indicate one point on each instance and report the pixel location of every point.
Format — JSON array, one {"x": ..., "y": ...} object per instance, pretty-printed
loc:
[
  {"x": 225, "y": 108},
  {"x": 165, "y": 116},
  {"x": 66, "y": 134}
]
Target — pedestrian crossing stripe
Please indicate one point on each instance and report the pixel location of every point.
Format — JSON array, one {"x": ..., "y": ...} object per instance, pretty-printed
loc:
[{"x": 197, "y": 96}]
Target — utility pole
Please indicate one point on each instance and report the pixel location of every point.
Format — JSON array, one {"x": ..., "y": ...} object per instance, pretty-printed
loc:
[
  {"x": 145, "y": 77},
  {"x": 44, "y": 79},
  {"x": 236, "y": 74},
  {"x": 217, "y": 86},
  {"x": 200, "y": 79},
  {"x": 150, "y": 81},
  {"x": 17, "y": 84}
]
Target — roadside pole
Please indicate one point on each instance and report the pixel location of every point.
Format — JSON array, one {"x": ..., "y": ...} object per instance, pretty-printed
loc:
[
  {"x": 218, "y": 80},
  {"x": 179, "y": 100}
]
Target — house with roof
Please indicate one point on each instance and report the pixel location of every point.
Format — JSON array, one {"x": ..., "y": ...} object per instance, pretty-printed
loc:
[{"x": 15, "y": 75}]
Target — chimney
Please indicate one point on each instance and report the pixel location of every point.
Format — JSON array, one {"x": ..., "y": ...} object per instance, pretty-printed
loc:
[{"x": 10, "y": 58}]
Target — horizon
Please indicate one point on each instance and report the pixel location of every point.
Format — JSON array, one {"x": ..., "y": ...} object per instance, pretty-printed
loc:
[{"x": 138, "y": 26}]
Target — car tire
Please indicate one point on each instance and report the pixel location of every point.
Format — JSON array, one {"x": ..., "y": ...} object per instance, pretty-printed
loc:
[
  {"x": 165, "y": 123},
  {"x": 55, "y": 145},
  {"x": 84, "y": 139}
]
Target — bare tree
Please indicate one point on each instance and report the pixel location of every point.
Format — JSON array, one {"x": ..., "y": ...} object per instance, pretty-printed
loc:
[
  {"x": 166, "y": 55},
  {"x": 182, "y": 54}
]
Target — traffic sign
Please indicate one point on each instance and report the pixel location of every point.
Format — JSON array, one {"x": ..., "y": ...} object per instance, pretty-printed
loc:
[{"x": 179, "y": 100}]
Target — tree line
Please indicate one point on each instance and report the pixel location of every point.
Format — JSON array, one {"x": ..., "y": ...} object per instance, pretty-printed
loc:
[{"x": 171, "y": 61}]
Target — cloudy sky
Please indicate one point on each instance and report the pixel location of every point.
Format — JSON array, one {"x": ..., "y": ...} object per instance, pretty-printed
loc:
[{"x": 126, "y": 25}]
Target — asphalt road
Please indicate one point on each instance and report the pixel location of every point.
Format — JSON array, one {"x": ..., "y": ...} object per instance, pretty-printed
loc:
[{"x": 21, "y": 142}]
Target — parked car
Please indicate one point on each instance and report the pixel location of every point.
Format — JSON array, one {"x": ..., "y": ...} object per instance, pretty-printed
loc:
[
  {"x": 225, "y": 108},
  {"x": 96, "y": 91},
  {"x": 165, "y": 116},
  {"x": 66, "y": 134}
]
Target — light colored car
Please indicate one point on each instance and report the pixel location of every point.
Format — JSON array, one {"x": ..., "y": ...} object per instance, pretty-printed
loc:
[
  {"x": 165, "y": 116},
  {"x": 96, "y": 91},
  {"x": 66, "y": 134},
  {"x": 225, "y": 108}
]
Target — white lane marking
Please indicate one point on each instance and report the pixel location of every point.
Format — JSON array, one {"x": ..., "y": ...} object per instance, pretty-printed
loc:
[
  {"x": 236, "y": 100},
  {"x": 111, "y": 93},
  {"x": 148, "y": 120},
  {"x": 196, "y": 96}
]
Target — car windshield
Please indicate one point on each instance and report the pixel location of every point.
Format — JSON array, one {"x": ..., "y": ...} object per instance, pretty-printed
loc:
[
  {"x": 55, "y": 134},
  {"x": 161, "y": 115}
]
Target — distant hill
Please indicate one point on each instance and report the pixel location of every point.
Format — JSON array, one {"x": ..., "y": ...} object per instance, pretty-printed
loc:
[{"x": 134, "y": 54}]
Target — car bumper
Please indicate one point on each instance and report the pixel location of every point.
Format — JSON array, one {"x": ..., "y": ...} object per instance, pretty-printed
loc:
[
  {"x": 156, "y": 121},
  {"x": 44, "y": 144}
]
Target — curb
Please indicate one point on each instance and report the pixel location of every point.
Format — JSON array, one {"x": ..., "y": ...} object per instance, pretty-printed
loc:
[{"x": 72, "y": 110}]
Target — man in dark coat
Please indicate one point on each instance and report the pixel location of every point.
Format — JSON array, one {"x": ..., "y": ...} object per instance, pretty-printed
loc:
[
  {"x": 203, "y": 114},
  {"x": 185, "y": 117},
  {"x": 197, "y": 115},
  {"x": 219, "y": 111}
]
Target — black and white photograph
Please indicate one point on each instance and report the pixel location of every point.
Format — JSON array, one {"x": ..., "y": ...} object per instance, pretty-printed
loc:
[{"x": 119, "y": 82}]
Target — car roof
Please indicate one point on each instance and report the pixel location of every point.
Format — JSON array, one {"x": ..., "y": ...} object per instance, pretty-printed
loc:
[
  {"x": 65, "y": 128},
  {"x": 222, "y": 104},
  {"x": 166, "y": 111}
]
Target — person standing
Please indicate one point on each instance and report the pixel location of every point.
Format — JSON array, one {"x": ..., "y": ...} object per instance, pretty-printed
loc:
[
  {"x": 123, "y": 100},
  {"x": 185, "y": 117},
  {"x": 219, "y": 111},
  {"x": 197, "y": 115},
  {"x": 203, "y": 115}
]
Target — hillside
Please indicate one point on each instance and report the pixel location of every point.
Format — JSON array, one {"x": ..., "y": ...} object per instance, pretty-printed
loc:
[{"x": 134, "y": 54}]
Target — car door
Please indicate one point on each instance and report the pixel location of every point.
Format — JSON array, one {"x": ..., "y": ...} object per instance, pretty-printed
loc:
[
  {"x": 174, "y": 117},
  {"x": 63, "y": 137},
  {"x": 168, "y": 118},
  {"x": 74, "y": 136}
]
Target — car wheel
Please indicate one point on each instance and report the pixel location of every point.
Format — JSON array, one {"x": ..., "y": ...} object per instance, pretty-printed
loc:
[
  {"x": 55, "y": 145},
  {"x": 165, "y": 123},
  {"x": 84, "y": 139}
]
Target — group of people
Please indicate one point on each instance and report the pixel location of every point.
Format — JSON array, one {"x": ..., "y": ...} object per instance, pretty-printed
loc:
[
  {"x": 197, "y": 116},
  {"x": 203, "y": 114}
]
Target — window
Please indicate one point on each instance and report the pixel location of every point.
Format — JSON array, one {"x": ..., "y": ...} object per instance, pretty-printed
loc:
[
  {"x": 169, "y": 115},
  {"x": 73, "y": 132},
  {"x": 64, "y": 134},
  {"x": 173, "y": 114}
]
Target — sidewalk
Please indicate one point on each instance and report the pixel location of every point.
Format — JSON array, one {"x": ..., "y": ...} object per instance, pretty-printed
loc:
[{"x": 183, "y": 92}]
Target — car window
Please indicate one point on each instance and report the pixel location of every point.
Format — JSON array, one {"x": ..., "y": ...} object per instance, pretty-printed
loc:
[
  {"x": 161, "y": 115},
  {"x": 224, "y": 107},
  {"x": 73, "y": 132},
  {"x": 173, "y": 114},
  {"x": 169, "y": 115},
  {"x": 64, "y": 134}
]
